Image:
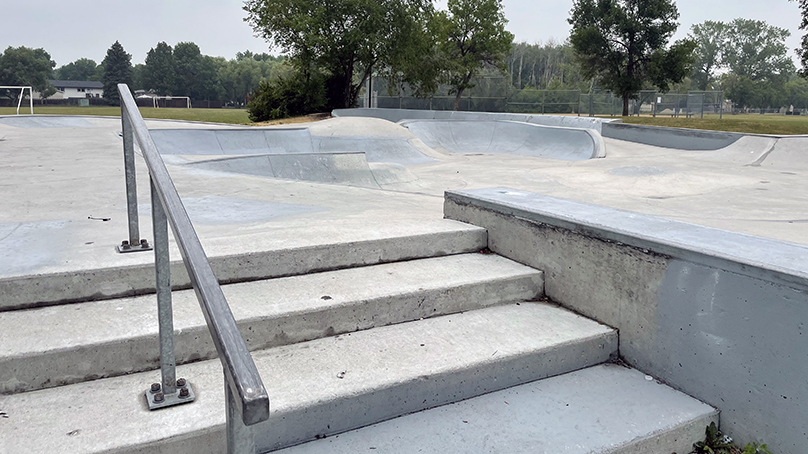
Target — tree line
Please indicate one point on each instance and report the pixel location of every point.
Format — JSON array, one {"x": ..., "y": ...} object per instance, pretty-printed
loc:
[
  {"x": 181, "y": 70},
  {"x": 334, "y": 48}
]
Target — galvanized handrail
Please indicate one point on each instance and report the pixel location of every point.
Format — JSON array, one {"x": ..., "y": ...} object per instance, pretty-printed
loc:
[{"x": 246, "y": 397}]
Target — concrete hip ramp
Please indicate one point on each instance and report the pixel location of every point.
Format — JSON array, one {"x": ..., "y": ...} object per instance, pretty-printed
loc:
[{"x": 511, "y": 137}]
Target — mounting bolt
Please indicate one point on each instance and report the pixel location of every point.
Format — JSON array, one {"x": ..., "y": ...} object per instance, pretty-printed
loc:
[
  {"x": 144, "y": 243},
  {"x": 155, "y": 387},
  {"x": 180, "y": 382},
  {"x": 159, "y": 397},
  {"x": 184, "y": 393},
  {"x": 125, "y": 244}
]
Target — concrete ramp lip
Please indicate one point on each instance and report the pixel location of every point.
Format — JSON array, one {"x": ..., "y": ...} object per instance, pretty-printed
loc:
[{"x": 509, "y": 137}]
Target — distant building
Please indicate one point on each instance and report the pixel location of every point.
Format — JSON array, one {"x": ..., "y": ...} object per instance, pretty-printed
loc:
[{"x": 71, "y": 89}]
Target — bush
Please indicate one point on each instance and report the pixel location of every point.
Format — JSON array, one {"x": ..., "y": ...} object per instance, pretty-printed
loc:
[{"x": 290, "y": 97}]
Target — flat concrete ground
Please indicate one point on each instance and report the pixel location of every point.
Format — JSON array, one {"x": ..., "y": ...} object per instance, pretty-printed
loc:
[{"x": 63, "y": 207}]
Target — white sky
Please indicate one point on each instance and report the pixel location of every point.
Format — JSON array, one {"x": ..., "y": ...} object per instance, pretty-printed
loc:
[{"x": 87, "y": 28}]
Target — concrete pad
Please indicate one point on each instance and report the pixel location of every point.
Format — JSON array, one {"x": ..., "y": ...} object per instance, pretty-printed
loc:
[
  {"x": 602, "y": 409},
  {"x": 38, "y": 122},
  {"x": 66, "y": 344},
  {"x": 320, "y": 387}
]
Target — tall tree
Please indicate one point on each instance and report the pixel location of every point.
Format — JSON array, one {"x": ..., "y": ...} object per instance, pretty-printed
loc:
[
  {"x": 473, "y": 38},
  {"x": 160, "y": 71},
  {"x": 117, "y": 70},
  {"x": 711, "y": 43},
  {"x": 81, "y": 69},
  {"x": 624, "y": 43},
  {"x": 757, "y": 50},
  {"x": 802, "y": 51},
  {"x": 195, "y": 75},
  {"x": 341, "y": 37},
  {"x": 27, "y": 67}
]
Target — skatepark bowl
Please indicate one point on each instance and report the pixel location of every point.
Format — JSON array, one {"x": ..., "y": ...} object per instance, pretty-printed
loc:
[{"x": 642, "y": 214}]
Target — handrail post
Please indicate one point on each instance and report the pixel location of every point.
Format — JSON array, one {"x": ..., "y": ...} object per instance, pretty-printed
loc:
[
  {"x": 134, "y": 243},
  {"x": 165, "y": 394},
  {"x": 240, "y": 437}
]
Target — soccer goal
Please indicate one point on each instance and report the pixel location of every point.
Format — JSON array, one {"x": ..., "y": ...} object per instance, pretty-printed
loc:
[
  {"x": 22, "y": 92},
  {"x": 156, "y": 100}
]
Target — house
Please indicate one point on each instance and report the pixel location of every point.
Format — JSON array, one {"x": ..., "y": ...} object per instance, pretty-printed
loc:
[{"x": 69, "y": 89}]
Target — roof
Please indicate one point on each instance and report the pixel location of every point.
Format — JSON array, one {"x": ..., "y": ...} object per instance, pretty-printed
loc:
[{"x": 76, "y": 84}]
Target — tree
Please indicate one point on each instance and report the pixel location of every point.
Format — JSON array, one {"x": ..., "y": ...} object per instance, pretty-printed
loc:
[
  {"x": 27, "y": 67},
  {"x": 160, "y": 71},
  {"x": 623, "y": 44},
  {"x": 117, "y": 70},
  {"x": 81, "y": 69},
  {"x": 711, "y": 43},
  {"x": 473, "y": 38},
  {"x": 195, "y": 74},
  {"x": 340, "y": 37},
  {"x": 802, "y": 51},
  {"x": 757, "y": 50}
]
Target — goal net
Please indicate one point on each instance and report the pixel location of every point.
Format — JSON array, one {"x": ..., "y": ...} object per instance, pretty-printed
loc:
[
  {"x": 171, "y": 101},
  {"x": 13, "y": 88}
]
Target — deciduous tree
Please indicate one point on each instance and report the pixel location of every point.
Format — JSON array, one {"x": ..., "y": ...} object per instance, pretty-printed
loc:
[
  {"x": 160, "y": 71},
  {"x": 711, "y": 43},
  {"x": 81, "y": 69},
  {"x": 624, "y": 44},
  {"x": 473, "y": 37},
  {"x": 27, "y": 67}
]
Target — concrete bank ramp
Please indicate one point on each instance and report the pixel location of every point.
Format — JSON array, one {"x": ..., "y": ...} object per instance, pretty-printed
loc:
[
  {"x": 398, "y": 115},
  {"x": 511, "y": 137},
  {"x": 337, "y": 151},
  {"x": 787, "y": 153}
]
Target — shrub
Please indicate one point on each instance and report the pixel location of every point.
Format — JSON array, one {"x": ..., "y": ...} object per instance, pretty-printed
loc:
[{"x": 289, "y": 97}]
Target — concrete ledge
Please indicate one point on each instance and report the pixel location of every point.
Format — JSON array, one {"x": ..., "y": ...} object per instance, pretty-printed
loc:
[{"x": 719, "y": 315}]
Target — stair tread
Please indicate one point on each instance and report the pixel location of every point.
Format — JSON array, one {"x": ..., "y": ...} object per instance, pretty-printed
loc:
[
  {"x": 399, "y": 369},
  {"x": 594, "y": 410},
  {"x": 122, "y": 334},
  {"x": 101, "y": 273}
]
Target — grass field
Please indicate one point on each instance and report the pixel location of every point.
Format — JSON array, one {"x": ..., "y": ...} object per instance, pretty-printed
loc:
[
  {"x": 757, "y": 124},
  {"x": 232, "y": 116}
]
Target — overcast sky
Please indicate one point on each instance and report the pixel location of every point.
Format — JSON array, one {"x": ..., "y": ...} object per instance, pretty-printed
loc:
[{"x": 86, "y": 28}]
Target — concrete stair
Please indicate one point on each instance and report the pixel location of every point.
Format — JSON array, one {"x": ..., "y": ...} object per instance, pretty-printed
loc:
[{"x": 337, "y": 350}]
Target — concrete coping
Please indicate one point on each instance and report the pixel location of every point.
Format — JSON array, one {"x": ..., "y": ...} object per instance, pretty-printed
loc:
[{"x": 757, "y": 257}]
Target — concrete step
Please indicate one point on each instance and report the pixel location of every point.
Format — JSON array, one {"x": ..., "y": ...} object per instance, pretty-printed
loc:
[
  {"x": 317, "y": 388},
  {"x": 65, "y": 344},
  {"x": 598, "y": 410},
  {"x": 107, "y": 274}
]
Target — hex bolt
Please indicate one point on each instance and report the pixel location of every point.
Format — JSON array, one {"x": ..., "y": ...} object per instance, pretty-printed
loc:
[
  {"x": 155, "y": 387},
  {"x": 159, "y": 397},
  {"x": 184, "y": 393},
  {"x": 180, "y": 382},
  {"x": 144, "y": 243},
  {"x": 125, "y": 245}
]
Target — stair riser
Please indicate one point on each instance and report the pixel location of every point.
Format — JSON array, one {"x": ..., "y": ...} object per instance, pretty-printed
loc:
[
  {"x": 107, "y": 283},
  {"x": 88, "y": 362}
]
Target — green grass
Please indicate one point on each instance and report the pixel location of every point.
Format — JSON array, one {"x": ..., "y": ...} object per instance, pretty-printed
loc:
[
  {"x": 756, "y": 124},
  {"x": 233, "y": 116}
]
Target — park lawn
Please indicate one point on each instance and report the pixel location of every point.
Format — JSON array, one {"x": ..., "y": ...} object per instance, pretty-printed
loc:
[
  {"x": 756, "y": 124},
  {"x": 232, "y": 116}
]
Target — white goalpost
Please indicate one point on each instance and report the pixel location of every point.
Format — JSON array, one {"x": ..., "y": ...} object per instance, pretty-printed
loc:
[
  {"x": 22, "y": 92},
  {"x": 156, "y": 103}
]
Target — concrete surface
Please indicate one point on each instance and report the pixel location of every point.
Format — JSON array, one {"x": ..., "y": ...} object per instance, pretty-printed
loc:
[
  {"x": 324, "y": 386},
  {"x": 677, "y": 138},
  {"x": 65, "y": 344},
  {"x": 716, "y": 314},
  {"x": 470, "y": 137},
  {"x": 599, "y": 410}
]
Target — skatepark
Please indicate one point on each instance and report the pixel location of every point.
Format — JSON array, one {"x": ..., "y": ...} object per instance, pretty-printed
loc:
[{"x": 665, "y": 248}]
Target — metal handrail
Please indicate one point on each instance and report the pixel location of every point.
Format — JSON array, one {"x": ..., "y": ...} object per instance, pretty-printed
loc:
[{"x": 247, "y": 399}]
